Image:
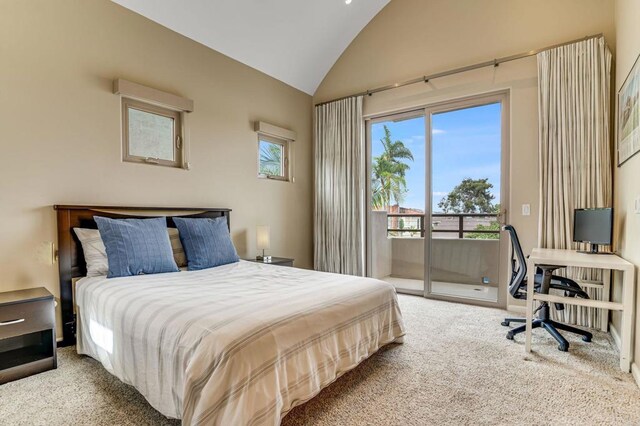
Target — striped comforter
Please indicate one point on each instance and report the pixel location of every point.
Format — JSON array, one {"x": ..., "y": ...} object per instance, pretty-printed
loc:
[{"x": 237, "y": 344}]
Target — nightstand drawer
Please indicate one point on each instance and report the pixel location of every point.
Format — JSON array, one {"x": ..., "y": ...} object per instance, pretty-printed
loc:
[
  {"x": 280, "y": 261},
  {"x": 27, "y": 317}
]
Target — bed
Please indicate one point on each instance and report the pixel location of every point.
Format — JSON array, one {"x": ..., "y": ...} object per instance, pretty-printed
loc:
[{"x": 242, "y": 343}]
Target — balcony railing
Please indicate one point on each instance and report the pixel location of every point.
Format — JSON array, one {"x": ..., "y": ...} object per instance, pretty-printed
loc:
[{"x": 451, "y": 223}]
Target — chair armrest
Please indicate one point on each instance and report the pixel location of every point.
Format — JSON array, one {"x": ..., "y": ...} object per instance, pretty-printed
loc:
[{"x": 549, "y": 267}]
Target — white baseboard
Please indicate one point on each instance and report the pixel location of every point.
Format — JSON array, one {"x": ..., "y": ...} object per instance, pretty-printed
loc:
[
  {"x": 519, "y": 309},
  {"x": 615, "y": 335},
  {"x": 635, "y": 371}
]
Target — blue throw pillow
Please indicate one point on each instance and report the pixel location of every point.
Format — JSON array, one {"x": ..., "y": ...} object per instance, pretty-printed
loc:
[
  {"x": 136, "y": 246},
  {"x": 206, "y": 242}
]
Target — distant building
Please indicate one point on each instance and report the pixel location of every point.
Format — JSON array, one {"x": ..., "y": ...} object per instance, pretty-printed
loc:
[{"x": 405, "y": 222}]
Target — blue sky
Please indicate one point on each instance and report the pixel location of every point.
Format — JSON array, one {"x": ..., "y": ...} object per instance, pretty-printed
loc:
[{"x": 466, "y": 143}]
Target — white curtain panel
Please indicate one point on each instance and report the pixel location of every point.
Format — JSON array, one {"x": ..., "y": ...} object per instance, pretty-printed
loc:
[
  {"x": 339, "y": 187},
  {"x": 574, "y": 84}
]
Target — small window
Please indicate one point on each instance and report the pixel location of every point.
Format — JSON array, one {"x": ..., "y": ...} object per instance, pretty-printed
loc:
[
  {"x": 273, "y": 158},
  {"x": 151, "y": 134}
]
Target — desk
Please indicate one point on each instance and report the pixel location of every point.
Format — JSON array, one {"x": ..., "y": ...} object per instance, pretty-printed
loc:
[{"x": 599, "y": 261}]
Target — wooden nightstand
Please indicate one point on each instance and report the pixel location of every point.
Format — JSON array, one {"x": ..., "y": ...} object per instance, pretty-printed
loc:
[
  {"x": 27, "y": 333},
  {"x": 282, "y": 261}
]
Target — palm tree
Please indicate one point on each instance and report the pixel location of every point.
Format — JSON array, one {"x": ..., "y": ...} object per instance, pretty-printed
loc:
[
  {"x": 270, "y": 159},
  {"x": 389, "y": 170}
]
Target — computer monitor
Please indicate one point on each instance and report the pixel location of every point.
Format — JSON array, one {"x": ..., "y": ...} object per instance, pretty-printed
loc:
[{"x": 593, "y": 226}]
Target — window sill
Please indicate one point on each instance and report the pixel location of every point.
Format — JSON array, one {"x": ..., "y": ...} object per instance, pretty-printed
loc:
[{"x": 276, "y": 178}]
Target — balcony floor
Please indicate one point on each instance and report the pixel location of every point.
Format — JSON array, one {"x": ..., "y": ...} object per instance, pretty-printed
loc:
[{"x": 467, "y": 291}]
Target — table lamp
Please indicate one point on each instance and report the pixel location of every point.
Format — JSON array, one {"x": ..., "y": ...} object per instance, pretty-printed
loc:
[{"x": 263, "y": 242}]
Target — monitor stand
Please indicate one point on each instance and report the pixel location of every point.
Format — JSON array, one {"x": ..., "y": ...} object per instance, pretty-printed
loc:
[{"x": 594, "y": 250}]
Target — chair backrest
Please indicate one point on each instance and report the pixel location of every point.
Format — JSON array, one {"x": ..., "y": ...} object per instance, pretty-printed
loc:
[{"x": 518, "y": 264}]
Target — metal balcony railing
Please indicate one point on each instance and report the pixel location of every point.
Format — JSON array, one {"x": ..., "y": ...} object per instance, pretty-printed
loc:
[{"x": 414, "y": 223}]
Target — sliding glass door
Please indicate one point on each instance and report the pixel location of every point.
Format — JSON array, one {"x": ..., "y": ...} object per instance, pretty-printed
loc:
[
  {"x": 466, "y": 198},
  {"x": 397, "y": 182},
  {"x": 436, "y": 191}
]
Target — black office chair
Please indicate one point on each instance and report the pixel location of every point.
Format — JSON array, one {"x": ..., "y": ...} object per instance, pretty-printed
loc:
[{"x": 544, "y": 280}]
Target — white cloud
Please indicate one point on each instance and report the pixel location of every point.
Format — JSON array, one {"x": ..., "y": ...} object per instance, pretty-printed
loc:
[
  {"x": 440, "y": 193},
  {"x": 438, "y": 131}
]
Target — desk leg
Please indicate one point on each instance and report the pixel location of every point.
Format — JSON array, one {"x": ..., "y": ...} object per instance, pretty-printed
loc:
[
  {"x": 626, "y": 334},
  {"x": 530, "y": 290},
  {"x": 606, "y": 296}
]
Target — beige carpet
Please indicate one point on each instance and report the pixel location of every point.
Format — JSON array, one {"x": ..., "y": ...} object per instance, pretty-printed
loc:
[{"x": 456, "y": 367}]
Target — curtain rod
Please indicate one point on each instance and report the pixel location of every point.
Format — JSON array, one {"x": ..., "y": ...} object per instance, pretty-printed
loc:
[{"x": 492, "y": 63}]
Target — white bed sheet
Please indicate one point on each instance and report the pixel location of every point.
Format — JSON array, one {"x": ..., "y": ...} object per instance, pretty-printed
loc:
[{"x": 237, "y": 344}]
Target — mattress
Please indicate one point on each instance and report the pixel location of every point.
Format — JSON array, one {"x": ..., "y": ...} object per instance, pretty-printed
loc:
[{"x": 238, "y": 344}]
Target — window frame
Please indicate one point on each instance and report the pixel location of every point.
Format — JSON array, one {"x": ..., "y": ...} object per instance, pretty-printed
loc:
[
  {"x": 178, "y": 133},
  {"x": 285, "y": 177}
]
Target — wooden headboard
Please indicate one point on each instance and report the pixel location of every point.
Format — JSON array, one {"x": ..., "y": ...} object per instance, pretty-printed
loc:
[{"x": 71, "y": 258}]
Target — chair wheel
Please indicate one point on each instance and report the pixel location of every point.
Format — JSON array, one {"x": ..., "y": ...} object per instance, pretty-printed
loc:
[
  {"x": 505, "y": 323},
  {"x": 510, "y": 335},
  {"x": 563, "y": 348},
  {"x": 586, "y": 338}
]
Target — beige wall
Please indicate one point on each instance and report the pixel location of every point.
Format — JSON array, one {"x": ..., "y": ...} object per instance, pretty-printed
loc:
[
  {"x": 627, "y": 224},
  {"x": 381, "y": 252},
  {"x": 60, "y": 128},
  {"x": 454, "y": 260},
  {"x": 465, "y": 261},
  {"x": 409, "y": 38}
]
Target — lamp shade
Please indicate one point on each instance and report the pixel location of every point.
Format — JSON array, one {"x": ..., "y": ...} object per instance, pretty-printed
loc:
[{"x": 262, "y": 237}]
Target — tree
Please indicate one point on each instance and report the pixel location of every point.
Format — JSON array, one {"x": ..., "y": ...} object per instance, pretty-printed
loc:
[
  {"x": 470, "y": 196},
  {"x": 388, "y": 172},
  {"x": 493, "y": 226},
  {"x": 270, "y": 159}
]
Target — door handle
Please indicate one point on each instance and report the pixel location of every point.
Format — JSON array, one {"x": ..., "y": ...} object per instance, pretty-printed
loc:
[{"x": 17, "y": 321}]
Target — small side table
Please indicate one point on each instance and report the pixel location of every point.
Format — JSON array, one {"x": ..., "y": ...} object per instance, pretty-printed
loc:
[
  {"x": 27, "y": 333},
  {"x": 281, "y": 261}
]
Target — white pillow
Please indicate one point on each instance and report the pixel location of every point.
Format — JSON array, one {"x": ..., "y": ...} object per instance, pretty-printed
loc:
[
  {"x": 95, "y": 253},
  {"x": 178, "y": 251}
]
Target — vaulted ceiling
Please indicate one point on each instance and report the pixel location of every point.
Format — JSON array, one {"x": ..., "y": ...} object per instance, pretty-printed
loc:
[{"x": 295, "y": 41}]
